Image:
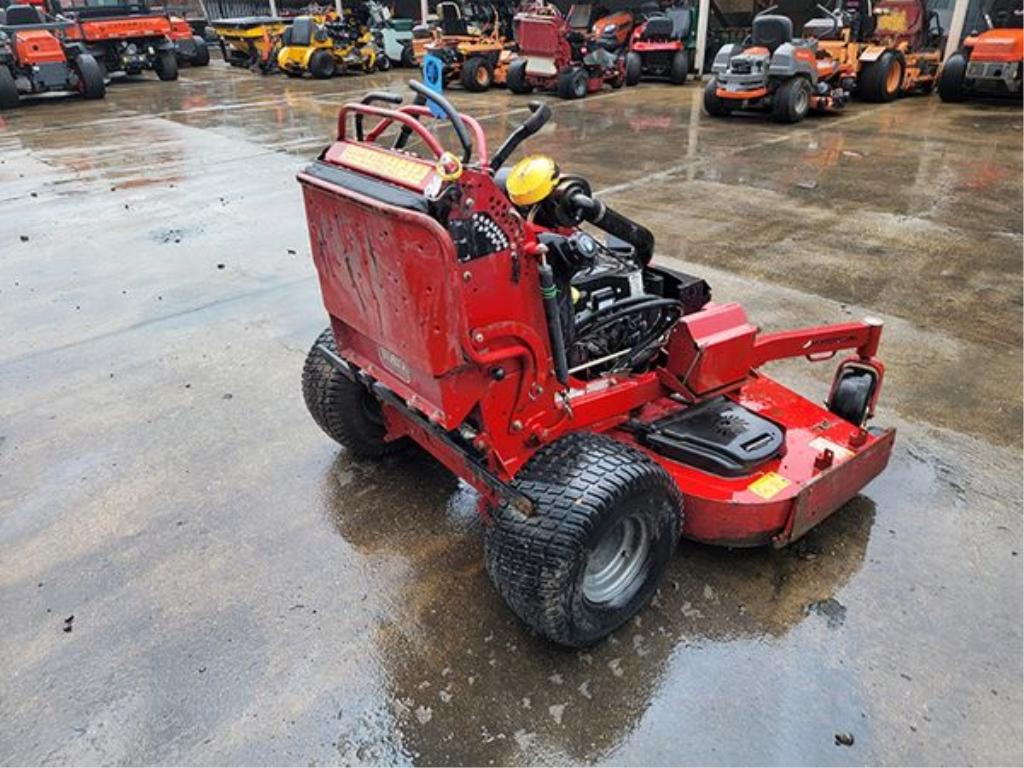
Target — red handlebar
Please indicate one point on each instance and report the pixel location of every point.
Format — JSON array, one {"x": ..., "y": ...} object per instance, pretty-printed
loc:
[{"x": 409, "y": 116}]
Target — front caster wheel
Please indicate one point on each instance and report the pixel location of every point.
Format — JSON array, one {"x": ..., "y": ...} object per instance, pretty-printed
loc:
[
  {"x": 344, "y": 409},
  {"x": 606, "y": 523}
]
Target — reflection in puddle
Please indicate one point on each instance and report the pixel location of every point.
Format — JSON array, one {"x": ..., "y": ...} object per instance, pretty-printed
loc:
[{"x": 468, "y": 683}]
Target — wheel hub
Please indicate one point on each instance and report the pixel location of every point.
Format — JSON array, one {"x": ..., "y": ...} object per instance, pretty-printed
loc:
[{"x": 615, "y": 567}]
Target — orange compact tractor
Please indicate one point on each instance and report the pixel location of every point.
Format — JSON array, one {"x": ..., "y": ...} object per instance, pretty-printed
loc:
[
  {"x": 189, "y": 48},
  {"x": 475, "y": 57},
  {"x": 889, "y": 48},
  {"x": 989, "y": 63},
  {"x": 33, "y": 59},
  {"x": 566, "y": 54},
  {"x": 124, "y": 36}
]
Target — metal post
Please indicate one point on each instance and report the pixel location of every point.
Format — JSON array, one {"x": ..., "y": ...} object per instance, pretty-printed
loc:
[
  {"x": 956, "y": 27},
  {"x": 340, "y": 9},
  {"x": 424, "y": 10},
  {"x": 703, "y": 11},
  {"x": 273, "y": 8}
]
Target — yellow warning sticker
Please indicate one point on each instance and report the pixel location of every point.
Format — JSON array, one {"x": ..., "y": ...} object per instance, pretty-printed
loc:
[
  {"x": 768, "y": 485},
  {"x": 386, "y": 165}
]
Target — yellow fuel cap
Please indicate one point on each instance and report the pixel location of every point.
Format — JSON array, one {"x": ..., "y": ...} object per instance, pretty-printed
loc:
[{"x": 532, "y": 179}]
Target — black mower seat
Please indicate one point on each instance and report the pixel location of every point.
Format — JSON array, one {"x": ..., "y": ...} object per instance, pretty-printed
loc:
[
  {"x": 822, "y": 29},
  {"x": 21, "y": 15},
  {"x": 452, "y": 22},
  {"x": 771, "y": 31},
  {"x": 658, "y": 28},
  {"x": 299, "y": 33}
]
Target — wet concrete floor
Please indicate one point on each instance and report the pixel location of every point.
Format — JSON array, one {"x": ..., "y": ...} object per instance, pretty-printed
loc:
[{"x": 190, "y": 572}]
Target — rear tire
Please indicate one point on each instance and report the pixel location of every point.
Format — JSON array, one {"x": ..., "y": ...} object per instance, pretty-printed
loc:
[
  {"x": 572, "y": 83},
  {"x": 166, "y": 66},
  {"x": 408, "y": 56},
  {"x": 322, "y": 65},
  {"x": 634, "y": 68},
  {"x": 516, "y": 78},
  {"x": 476, "y": 75},
  {"x": 951, "y": 79},
  {"x": 8, "y": 89},
  {"x": 680, "y": 68},
  {"x": 713, "y": 105},
  {"x": 606, "y": 524},
  {"x": 877, "y": 78},
  {"x": 342, "y": 408},
  {"x": 91, "y": 84},
  {"x": 791, "y": 100},
  {"x": 202, "y": 57}
]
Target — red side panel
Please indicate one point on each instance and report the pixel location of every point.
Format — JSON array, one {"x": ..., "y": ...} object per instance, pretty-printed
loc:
[
  {"x": 125, "y": 28},
  {"x": 37, "y": 46}
]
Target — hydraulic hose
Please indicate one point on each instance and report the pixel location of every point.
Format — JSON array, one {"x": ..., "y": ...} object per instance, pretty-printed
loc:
[
  {"x": 614, "y": 223},
  {"x": 549, "y": 293}
]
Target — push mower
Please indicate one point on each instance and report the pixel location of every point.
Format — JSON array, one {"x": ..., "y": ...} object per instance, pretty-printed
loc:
[
  {"x": 600, "y": 404},
  {"x": 189, "y": 48},
  {"x": 35, "y": 60},
  {"x": 662, "y": 44},
  {"x": 124, "y": 36},
  {"x": 989, "y": 63},
  {"x": 562, "y": 53},
  {"x": 476, "y": 58},
  {"x": 774, "y": 71},
  {"x": 327, "y": 49}
]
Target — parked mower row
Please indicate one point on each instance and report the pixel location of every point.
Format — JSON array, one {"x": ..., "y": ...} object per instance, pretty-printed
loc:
[
  {"x": 876, "y": 52},
  {"x": 48, "y": 46}
]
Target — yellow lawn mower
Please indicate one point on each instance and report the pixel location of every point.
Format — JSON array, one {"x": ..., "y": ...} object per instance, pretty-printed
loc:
[{"x": 327, "y": 49}]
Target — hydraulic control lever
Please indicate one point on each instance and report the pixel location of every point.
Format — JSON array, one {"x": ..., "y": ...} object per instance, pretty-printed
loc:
[{"x": 540, "y": 113}]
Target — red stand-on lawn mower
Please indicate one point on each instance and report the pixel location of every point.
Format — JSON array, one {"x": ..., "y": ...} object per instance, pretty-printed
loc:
[
  {"x": 662, "y": 44},
  {"x": 564, "y": 54},
  {"x": 33, "y": 59},
  {"x": 600, "y": 404}
]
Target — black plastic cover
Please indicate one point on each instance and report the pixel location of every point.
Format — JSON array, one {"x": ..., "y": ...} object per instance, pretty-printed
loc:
[{"x": 719, "y": 436}]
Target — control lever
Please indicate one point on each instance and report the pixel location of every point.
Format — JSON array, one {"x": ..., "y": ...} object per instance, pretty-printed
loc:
[{"x": 540, "y": 113}]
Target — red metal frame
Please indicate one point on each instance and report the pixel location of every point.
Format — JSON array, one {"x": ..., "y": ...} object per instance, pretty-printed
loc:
[{"x": 463, "y": 346}]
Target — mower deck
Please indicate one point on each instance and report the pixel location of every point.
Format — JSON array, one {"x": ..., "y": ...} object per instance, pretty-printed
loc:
[{"x": 785, "y": 495}]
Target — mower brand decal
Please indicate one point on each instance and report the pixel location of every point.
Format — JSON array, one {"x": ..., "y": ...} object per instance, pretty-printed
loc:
[
  {"x": 383, "y": 164},
  {"x": 768, "y": 485},
  {"x": 894, "y": 21},
  {"x": 822, "y": 444},
  {"x": 396, "y": 365}
]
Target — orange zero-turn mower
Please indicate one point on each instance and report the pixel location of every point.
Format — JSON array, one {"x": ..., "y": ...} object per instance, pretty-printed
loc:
[
  {"x": 889, "y": 48},
  {"x": 989, "y": 63},
  {"x": 601, "y": 404},
  {"x": 566, "y": 54},
  {"x": 474, "y": 58},
  {"x": 773, "y": 70},
  {"x": 35, "y": 59},
  {"x": 124, "y": 35}
]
